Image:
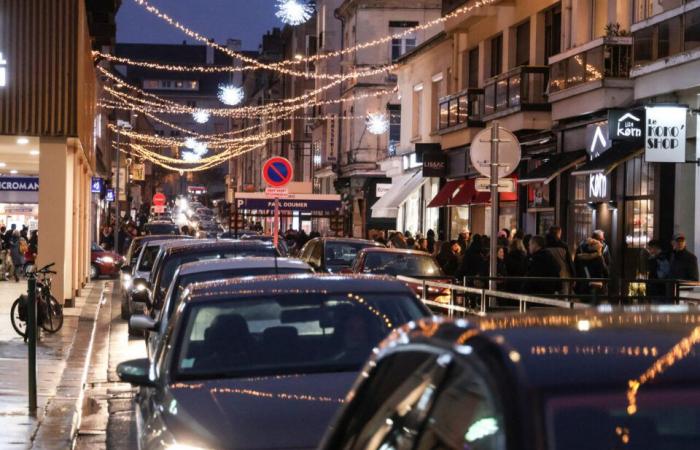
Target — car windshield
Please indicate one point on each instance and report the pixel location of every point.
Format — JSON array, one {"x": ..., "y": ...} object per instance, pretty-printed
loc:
[
  {"x": 97, "y": 248},
  {"x": 164, "y": 228},
  {"x": 401, "y": 264},
  {"x": 660, "y": 419},
  {"x": 174, "y": 261},
  {"x": 342, "y": 254},
  {"x": 287, "y": 333},
  {"x": 148, "y": 258},
  {"x": 184, "y": 280},
  {"x": 205, "y": 212}
]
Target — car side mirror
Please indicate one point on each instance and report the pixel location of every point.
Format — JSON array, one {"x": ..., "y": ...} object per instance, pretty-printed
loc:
[
  {"x": 135, "y": 372},
  {"x": 141, "y": 293},
  {"x": 142, "y": 322}
]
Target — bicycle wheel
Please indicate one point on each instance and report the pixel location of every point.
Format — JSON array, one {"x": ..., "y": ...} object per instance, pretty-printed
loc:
[
  {"x": 53, "y": 319},
  {"x": 18, "y": 324}
]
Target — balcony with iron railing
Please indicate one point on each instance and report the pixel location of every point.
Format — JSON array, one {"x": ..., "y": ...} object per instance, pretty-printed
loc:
[
  {"x": 591, "y": 77},
  {"x": 521, "y": 89},
  {"x": 464, "y": 109}
]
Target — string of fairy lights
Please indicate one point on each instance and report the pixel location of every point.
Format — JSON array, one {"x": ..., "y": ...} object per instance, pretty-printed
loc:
[{"x": 194, "y": 145}]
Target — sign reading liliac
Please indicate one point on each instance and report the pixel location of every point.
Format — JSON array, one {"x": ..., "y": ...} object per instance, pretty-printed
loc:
[{"x": 665, "y": 133}]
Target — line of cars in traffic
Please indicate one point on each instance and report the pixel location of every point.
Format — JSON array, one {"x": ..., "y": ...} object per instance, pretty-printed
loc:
[{"x": 249, "y": 349}]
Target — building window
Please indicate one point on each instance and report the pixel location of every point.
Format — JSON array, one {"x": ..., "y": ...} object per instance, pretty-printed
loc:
[
  {"x": 394, "y": 128},
  {"x": 670, "y": 37},
  {"x": 405, "y": 43},
  {"x": 437, "y": 91},
  {"x": 583, "y": 222},
  {"x": 496, "y": 63},
  {"x": 171, "y": 85},
  {"x": 417, "y": 111},
  {"x": 644, "y": 9},
  {"x": 552, "y": 31},
  {"x": 473, "y": 74},
  {"x": 691, "y": 35},
  {"x": 522, "y": 44}
]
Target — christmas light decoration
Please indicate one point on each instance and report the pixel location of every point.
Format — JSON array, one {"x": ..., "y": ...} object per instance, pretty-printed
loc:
[
  {"x": 293, "y": 12},
  {"x": 377, "y": 123},
  {"x": 230, "y": 95},
  {"x": 190, "y": 157},
  {"x": 201, "y": 116},
  {"x": 463, "y": 10},
  {"x": 200, "y": 149},
  {"x": 190, "y": 143}
]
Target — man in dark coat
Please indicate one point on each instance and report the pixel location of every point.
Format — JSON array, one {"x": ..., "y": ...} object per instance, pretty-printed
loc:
[
  {"x": 684, "y": 265},
  {"x": 658, "y": 268},
  {"x": 560, "y": 252},
  {"x": 542, "y": 265}
]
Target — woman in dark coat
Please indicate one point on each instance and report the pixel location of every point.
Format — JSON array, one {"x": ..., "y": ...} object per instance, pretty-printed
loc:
[
  {"x": 447, "y": 259},
  {"x": 591, "y": 264},
  {"x": 516, "y": 264}
]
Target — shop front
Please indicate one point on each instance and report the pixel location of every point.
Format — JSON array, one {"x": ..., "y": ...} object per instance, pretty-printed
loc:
[
  {"x": 402, "y": 202},
  {"x": 19, "y": 202}
]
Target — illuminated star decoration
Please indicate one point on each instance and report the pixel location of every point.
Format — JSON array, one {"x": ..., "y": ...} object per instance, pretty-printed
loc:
[
  {"x": 294, "y": 12},
  {"x": 200, "y": 148},
  {"x": 190, "y": 157},
  {"x": 230, "y": 95},
  {"x": 201, "y": 116},
  {"x": 191, "y": 143},
  {"x": 377, "y": 123}
]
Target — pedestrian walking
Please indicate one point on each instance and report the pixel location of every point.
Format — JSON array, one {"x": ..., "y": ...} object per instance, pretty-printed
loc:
[
  {"x": 448, "y": 258},
  {"x": 560, "y": 252},
  {"x": 431, "y": 247},
  {"x": 17, "y": 248},
  {"x": 542, "y": 265},
  {"x": 684, "y": 264},
  {"x": 658, "y": 269},
  {"x": 590, "y": 263},
  {"x": 516, "y": 264},
  {"x": 475, "y": 261}
]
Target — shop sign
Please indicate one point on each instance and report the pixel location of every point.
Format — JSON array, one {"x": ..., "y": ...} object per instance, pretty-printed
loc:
[
  {"x": 96, "y": 185},
  {"x": 626, "y": 125},
  {"x": 434, "y": 164},
  {"x": 598, "y": 186},
  {"x": 109, "y": 196},
  {"x": 316, "y": 204},
  {"x": 196, "y": 190},
  {"x": 597, "y": 141},
  {"x": 19, "y": 210},
  {"x": 138, "y": 172},
  {"x": 382, "y": 188},
  {"x": 3, "y": 71},
  {"x": 19, "y": 184},
  {"x": 504, "y": 185},
  {"x": 665, "y": 133}
]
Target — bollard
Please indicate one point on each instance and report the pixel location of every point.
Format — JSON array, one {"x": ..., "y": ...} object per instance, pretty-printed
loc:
[{"x": 31, "y": 339}]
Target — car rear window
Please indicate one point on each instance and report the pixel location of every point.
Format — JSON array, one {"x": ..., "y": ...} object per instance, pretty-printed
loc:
[
  {"x": 342, "y": 254},
  {"x": 386, "y": 263}
]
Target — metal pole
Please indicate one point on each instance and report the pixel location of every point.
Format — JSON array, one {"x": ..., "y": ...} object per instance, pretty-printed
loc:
[
  {"x": 493, "y": 269},
  {"x": 276, "y": 224},
  {"x": 116, "y": 196},
  {"x": 31, "y": 338}
]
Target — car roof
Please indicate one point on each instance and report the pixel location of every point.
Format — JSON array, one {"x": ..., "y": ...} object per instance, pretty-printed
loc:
[
  {"x": 306, "y": 284},
  {"x": 186, "y": 242},
  {"x": 214, "y": 244},
  {"x": 160, "y": 222},
  {"x": 350, "y": 240},
  {"x": 402, "y": 251},
  {"x": 557, "y": 349},
  {"x": 257, "y": 262}
]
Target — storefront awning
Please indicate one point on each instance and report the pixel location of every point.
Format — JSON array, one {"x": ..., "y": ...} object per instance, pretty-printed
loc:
[
  {"x": 444, "y": 197},
  {"x": 468, "y": 195},
  {"x": 608, "y": 161},
  {"x": 387, "y": 207},
  {"x": 553, "y": 167}
]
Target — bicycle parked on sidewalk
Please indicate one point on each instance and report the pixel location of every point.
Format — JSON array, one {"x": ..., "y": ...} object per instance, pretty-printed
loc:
[{"x": 49, "y": 311}]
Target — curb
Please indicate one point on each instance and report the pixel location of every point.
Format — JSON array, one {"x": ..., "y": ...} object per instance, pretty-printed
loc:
[{"x": 59, "y": 427}]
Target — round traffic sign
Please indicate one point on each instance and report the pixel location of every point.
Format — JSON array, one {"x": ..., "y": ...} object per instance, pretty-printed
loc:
[
  {"x": 159, "y": 199},
  {"x": 277, "y": 171},
  {"x": 508, "y": 152}
]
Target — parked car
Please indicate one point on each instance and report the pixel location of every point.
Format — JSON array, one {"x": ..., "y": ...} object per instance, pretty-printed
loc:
[
  {"x": 161, "y": 227},
  {"x": 409, "y": 263},
  {"x": 210, "y": 270},
  {"x": 138, "y": 263},
  {"x": 561, "y": 380},
  {"x": 262, "y": 362},
  {"x": 207, "y": 229},
  {"x": 172, "y": 256},
  {"x": 104, "y": 262},
  {"x": 281, "y": 243},
  {"x": 333, "y": 254}
]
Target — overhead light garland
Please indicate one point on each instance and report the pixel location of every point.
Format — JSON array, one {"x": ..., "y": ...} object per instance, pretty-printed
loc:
[
  {"x": 465, "y": 9},
  {"x": 294, "y": 12}
]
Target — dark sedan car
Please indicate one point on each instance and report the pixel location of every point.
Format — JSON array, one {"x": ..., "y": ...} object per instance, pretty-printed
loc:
[
  {"x": 161, "y": 227},
  {"x": 408, "y": 263},
  {"x": 333, "y": 254},
  {"x": 593, "y": 380},
  {"x": 262, "y": 362}
]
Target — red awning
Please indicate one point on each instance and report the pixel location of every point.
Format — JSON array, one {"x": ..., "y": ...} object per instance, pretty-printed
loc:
[
  {"x": 444, "y": 197},
  {"x": 468, "y": 195}
]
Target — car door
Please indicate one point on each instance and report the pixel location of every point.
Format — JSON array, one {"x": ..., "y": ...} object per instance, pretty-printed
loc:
[{"x": 390, "y": 406}]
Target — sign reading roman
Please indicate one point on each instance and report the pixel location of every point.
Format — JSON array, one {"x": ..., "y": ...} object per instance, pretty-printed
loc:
[
  {"x": 665, "y": 129},
  {"x": 626, "y": 125}
]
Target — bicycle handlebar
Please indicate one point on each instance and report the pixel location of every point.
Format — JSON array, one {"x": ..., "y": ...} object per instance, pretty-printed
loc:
[{"x": 46, "y": 268}]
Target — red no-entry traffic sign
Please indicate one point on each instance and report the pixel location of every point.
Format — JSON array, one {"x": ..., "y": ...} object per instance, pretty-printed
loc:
[
  {"x": 277, "y": 171},
  {"x": 159, "y": 199}
]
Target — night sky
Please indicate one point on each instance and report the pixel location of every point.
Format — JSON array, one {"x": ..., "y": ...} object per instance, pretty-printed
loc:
[{"x": 247, "y": 20}]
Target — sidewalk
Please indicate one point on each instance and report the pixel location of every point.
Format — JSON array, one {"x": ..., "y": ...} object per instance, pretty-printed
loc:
[{"x": 61, "y": 369}]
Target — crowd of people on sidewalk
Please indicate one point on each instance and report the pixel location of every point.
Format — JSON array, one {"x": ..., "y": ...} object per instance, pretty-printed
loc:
[
  {"x": 19, "y": 249},
  {"x": 528, "y": 264}
]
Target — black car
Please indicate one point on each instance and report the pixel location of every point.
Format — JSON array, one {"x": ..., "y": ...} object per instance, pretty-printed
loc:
[
  {"x": 600, "y": 379},
  {"x": 333, "y": 254},
  {"x": 170, "y": 257},
  {"x": 161, "y": 227},
  {"x": 262, "y": 362}
]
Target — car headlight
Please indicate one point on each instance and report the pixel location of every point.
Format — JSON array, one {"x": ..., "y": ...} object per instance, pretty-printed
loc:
[
  {"x": 106, "y": 259},
  {"x": 140, "y": 287}
]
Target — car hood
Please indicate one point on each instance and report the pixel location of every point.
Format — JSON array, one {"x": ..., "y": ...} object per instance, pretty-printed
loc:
[{"x": 275, "y": 412}]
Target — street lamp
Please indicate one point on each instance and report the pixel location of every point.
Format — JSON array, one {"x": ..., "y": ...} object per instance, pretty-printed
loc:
[{"x": 127, "y": 126}]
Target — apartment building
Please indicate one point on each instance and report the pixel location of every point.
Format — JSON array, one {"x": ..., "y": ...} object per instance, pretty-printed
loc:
[
  {"x": 359, "y": 151},
  {"x": 580, "y": 83}
]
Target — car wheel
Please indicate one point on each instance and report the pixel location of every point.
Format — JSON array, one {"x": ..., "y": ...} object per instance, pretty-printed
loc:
[{"x": 94, "y": 272}]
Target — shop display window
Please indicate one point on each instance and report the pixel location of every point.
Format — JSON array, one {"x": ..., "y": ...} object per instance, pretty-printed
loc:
[{"x": 459, "y": 221}]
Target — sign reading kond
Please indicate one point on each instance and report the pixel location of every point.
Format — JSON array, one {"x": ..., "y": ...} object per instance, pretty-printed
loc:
[{"x": 665, "y": 133}]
